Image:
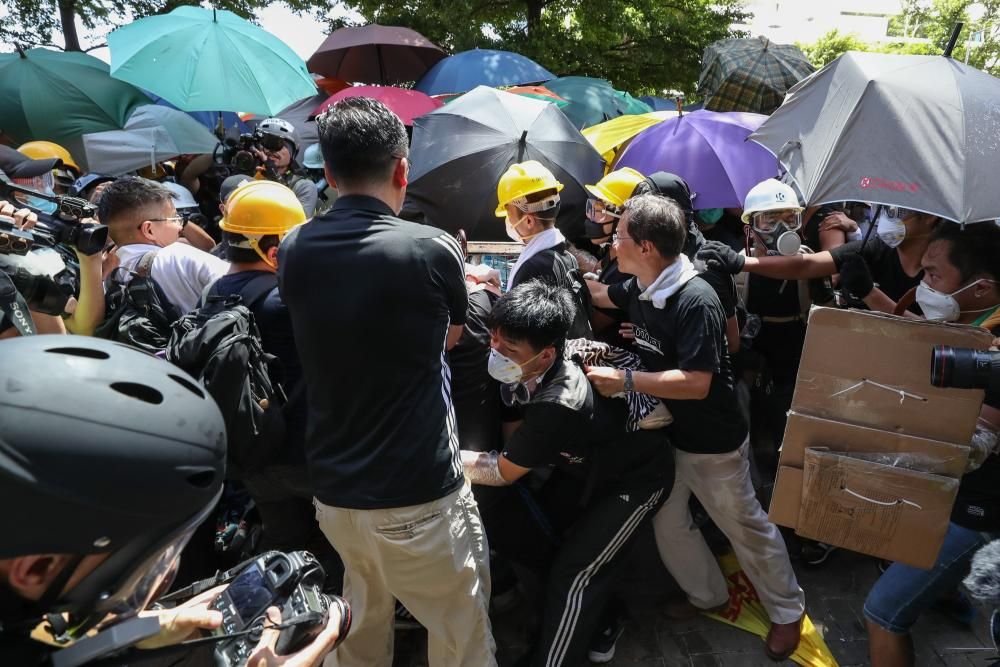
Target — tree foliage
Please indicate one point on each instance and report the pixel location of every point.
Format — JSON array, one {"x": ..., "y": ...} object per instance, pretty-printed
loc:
[
  {"x": 644, "y": 46},
  {"x": 831, "y": 46}
]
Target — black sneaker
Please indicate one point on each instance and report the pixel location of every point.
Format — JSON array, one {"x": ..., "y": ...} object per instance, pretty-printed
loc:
[
  {"x": 404, "y": 620},
  {"x": 602, "y": 645},
  {"x": 816, "y": 553}
]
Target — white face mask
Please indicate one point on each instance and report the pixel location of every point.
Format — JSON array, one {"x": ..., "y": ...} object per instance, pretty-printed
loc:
[
  {"x": 892, "y": 231},
  {"x": 941, "y": 307},
  {"x": 511, "y": 231},
  {"x": 506, "y": 370}
]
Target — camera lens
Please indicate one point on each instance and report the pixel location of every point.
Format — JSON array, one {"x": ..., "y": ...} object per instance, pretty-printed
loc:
[{"x": 965, "y": 368}]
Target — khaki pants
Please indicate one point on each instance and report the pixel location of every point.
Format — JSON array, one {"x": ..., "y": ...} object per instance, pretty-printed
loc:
[
  {"x": 434, "y": 559},
  {"x": 722, "y": 483}
]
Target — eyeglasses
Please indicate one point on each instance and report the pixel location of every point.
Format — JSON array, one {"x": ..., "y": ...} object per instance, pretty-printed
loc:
[
  {"x": 179, "y": 220},
  {"x": 598, "y": 209},
  {"x": 616, "y": 237},
  {"x": 898, "y": 212}
]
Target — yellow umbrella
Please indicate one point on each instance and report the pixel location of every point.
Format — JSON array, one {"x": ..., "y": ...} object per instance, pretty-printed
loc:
[{"x": 611, "y": 136}]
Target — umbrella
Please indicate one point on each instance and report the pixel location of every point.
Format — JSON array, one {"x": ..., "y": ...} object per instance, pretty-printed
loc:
[
  {"x": 593, "y": 101},
  {"x": 609, "y": 137},
  {"x": 375, "y": 54},
  {"x": 709, "y": 150},
  {"x": 481, "y": 67},
  {"x": 153, "y": 133},
  {"x": 538, "y": 93},
  {"x": 210, "y": 119},
  {"x": 407, "y": 104},
  {"x": 460, "y": 151},
  {"x": 209, "y": 60},
  {"x": 914, "y": 131},
  {"x": 750, "y": 74},
  {"x": 658, "y": 103},
  {"x": 59, "y": 96}
]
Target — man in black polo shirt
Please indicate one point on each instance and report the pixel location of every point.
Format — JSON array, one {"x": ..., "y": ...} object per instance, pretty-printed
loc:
[
  {"x": 375, "y": 303},
  {"x": 605, "y": 482},
  {"x": 680, "y": 334}
]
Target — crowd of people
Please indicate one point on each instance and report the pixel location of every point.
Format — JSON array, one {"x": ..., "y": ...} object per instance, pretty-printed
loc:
[{"x": 451, "y": 442}]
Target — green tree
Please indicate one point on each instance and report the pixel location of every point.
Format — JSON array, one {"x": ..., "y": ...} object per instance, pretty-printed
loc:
[
  {"x": 934, "y": 20},
  {"x": 643, "y": 46},
  {"x": 831, "y": 46}
]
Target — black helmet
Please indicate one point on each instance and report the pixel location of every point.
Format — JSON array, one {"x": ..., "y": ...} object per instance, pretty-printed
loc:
[{"x": 103, "y": 449}]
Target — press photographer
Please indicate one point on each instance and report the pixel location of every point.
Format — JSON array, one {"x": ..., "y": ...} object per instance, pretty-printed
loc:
[
  {"x": 90, "y": 547},
  {"x": 269, "y": 152},
  {"x": 50, "y": 253}
]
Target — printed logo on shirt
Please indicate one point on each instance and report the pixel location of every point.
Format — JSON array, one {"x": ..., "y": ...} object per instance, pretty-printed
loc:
[
  {"x": 624, "y": 497},
  {"x": 570, "y": 458},
  {"x": 647, "y": 342},
  {"x": 975, "y": 510}
]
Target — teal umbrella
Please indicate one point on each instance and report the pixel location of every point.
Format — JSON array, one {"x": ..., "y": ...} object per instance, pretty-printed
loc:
[
  {"x": 593, "y": 101},
  {"x": 209, "y": 60},
  {"x": 60, "y": 96}
]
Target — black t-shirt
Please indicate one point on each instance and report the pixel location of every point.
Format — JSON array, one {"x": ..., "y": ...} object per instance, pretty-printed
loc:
[
  {"x": 556, "y": 266},
  {"x": 371, "y": 298},
  {"x": 883, "y": 262},
  {"x": 728, "y": 230},
  {"x": 688, "y": 333},
  {"x": 567, "y": 425},
  {"x": 277, "y": 338},
  {"x": 475, "y": 393}
]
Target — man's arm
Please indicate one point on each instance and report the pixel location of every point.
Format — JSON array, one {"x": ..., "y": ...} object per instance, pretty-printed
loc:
[
  {"x": 675, "y": 384},
  {"x": 599, "y": 295},
  {"x": 90, "y": 306},
  {"x": 448, "y": 273},
  {"x": 198, "y": 237},
  {"x": 796, "y": 267},
  {"x": 491, "y": 469},
  {"x": 454, "y": 333}
]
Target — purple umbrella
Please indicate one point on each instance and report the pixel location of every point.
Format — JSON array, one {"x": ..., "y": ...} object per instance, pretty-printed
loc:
[
  {"x": 375, "y": 54},
  {"x": 709, "y": 150}
]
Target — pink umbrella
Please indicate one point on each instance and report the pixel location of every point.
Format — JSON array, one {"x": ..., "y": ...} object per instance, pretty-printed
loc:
[{"x": 407, "y": 104}]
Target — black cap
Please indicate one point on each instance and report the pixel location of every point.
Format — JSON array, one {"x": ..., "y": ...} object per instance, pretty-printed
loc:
[
  {"x": 668, "y": 185},
  {"x": 19, "y": 165},
  {"x": 230, "y": 184}
]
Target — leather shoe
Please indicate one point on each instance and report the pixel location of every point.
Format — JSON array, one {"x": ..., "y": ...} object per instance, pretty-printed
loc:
[
  {"x": 782, "y": 640},
  {"x": 683, "y": 610}
]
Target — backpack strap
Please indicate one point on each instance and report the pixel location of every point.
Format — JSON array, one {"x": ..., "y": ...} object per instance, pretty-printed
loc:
[
  {"x": 259, "y": 287},
  {"x": 145, "y": 264}
]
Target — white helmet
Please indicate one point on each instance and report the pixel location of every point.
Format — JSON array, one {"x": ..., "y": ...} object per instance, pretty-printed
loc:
[
  {"x": 279, "y": 127},
  {"x": 770, "y": 195},
  {"x": 312, "y": 158},
  {"x": 182, "y": 196}
]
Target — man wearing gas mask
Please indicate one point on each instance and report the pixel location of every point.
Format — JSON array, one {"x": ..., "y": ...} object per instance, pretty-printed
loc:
[{"x": 879, "y": 270}]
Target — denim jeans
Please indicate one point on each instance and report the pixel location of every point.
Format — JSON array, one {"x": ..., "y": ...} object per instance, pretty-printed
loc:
[{"x": 903, "y": 593}]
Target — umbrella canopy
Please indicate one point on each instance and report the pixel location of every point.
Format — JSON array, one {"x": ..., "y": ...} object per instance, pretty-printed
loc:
[
  {"x": 375, "y": 54},
  {"x": 609, "y": 137},
  {"x": 538, "y": 93},
  {"x": 153, "y": 133},
  {"x": 750, "y": 74},
  {"x": 209, "y": 60},
  {"x": 658, "y": 103},
  {"x": 709, "y": 150},
  {"x": 60, "y": 96},
  {"x": 460, "y": 151},
  {"x": 914, "y": 131},
  {"x": 593, "y": 101},
  {"x": 407, "y": 104},
  {"x": 481, "y": 67},
  {"x": 231, "y": 121}
]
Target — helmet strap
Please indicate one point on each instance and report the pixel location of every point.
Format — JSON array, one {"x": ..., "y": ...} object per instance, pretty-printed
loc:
[{"x": 255, "y": 246}]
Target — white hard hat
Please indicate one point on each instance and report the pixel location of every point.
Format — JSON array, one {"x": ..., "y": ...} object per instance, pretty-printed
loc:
[
  {"x": 182, "y": 196},
  {"x": 770, "y": 195},
  {"x": 279, "y": 127},
  {"x": 312, "y": 158}
]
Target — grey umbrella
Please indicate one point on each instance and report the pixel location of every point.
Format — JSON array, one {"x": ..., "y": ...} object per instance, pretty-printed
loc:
[
  {"x": 460, "y": 151},
  {"x": 922, "y": 132}
]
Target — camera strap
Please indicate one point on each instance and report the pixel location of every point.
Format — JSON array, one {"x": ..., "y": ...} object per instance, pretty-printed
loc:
[{"x": 14, "y": 307}]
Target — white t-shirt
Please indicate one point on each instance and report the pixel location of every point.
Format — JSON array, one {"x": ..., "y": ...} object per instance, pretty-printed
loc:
[{"x": 181, "y": 270}]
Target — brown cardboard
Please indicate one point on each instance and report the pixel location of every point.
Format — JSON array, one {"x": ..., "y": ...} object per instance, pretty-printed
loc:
[
  {"x": 863, "y": 390},
  {"x": 888, "y": 512}
]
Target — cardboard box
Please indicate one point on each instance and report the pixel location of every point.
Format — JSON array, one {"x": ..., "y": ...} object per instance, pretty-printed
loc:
[{"x": 863, "y": 398}]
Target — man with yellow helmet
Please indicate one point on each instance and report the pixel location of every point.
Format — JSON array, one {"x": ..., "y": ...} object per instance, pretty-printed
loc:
[
  {"x": 63, "y": 176},
  {"x": 528, "y": 200}
]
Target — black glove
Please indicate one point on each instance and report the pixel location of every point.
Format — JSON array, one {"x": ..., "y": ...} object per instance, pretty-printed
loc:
[
  {"x": 720, "y": 257},
  {"x": 855, "y": 276}
]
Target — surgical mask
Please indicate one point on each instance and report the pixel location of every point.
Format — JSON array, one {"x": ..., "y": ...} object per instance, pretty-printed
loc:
[
  {"x": 504, "y": 369},
  {"x": 781, "y": 240},
  {"x": 39, "y": 204},
  {"x": 709, "y": 216},
  {"x": 891, "y": 230},
  {"x": 512, "y": 231},
  {"x": 942, "y": 307}
]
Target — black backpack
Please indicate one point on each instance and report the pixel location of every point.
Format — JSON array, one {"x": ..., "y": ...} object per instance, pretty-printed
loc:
[
  {"x": 137, "y": 312},
  {"x": 219, "y": 344}
]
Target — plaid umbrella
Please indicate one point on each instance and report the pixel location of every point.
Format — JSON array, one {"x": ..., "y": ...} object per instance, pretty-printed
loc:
[{"x": 750, "y": 74}]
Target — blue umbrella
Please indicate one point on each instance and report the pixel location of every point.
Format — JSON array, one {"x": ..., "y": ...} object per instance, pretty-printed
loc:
[
  {"x": 210, "y": 119},
  {"x": 464, "y": 71}
]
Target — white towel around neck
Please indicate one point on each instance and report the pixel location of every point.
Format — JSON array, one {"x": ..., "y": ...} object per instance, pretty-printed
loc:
[
  {"x": 539, "y": 242},
  {"x": 670, "y": 280}
]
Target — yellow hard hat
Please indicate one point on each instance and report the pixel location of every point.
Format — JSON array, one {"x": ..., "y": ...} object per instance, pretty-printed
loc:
[
  {"x": 44, "y": 150},
  {"x": 617, "y": 186},
  {"x": 521, "y": 180},
  {"x": 262, "y": 208}
]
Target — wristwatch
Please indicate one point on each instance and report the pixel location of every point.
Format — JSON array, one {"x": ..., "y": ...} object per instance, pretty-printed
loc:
[{"x": 629, "y": 384}]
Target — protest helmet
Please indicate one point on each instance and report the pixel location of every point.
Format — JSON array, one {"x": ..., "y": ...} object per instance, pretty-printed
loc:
[
  {"x": 42, "y": 150},
  {"x": 105, "y": 450},
  {"x": 523, "y": 179},
  {"x": 770, "y": 195},
  {"x": 616, "y": 187},
  {"x": 279, "y": 127}
]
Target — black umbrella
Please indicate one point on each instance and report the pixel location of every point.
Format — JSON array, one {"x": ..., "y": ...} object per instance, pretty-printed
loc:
[
  {"x": 460, "y": 151},
  {"x": 375, "y": 54}
]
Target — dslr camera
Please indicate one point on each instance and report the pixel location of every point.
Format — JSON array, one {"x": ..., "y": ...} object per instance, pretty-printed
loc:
[
  {"x": 291, "y": 581},
  {"x": 965, "y": 368},
  {"x": 239, "y": 154}
]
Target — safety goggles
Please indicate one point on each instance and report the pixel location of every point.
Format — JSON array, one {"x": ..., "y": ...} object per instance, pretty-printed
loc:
[
  {"x": 271, "y": 142},
  {"x": 601, "y": 212},
  {"x": 897, "y": 212},
  {"x": 766, "y": 222},
  {"x": 522, "y": 204}
]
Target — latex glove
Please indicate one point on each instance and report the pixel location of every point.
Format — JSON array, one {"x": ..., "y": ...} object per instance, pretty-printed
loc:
[
  {"x": 984, "y": 443},
  {"x": 855, "y": 276},
  {"x": 720, "y": 257}
]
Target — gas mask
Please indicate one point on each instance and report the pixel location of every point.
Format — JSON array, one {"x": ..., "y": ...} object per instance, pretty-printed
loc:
[{"x": 778, "y": 230}]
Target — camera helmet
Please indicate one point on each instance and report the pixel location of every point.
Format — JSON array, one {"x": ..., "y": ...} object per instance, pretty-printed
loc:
[
  {"x": 280, "y": 127},
  {"x": 770, "y": 195},
  {"x": 104, "y": 449}
]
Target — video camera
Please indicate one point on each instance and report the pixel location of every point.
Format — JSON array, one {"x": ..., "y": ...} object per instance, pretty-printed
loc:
[
  {"x": 965, "y": 368},
  {"x": 239, "y": 155},
  {"x": 61, "y": 227}
]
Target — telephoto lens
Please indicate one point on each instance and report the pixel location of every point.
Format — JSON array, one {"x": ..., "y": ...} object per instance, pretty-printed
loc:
[{"x": 964, "y": 368}]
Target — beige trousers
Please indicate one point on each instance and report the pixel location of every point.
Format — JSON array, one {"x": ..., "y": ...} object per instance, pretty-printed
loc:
[
  {"x": 722, "y": 483},
  {"x": 434, "y": 559}
]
